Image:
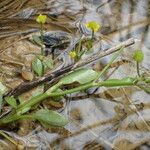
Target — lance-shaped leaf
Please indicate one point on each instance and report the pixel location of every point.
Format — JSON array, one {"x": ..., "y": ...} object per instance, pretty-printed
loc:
[
  {"x": 50, "y": 117},
  {"x": 81, "y": 76}
]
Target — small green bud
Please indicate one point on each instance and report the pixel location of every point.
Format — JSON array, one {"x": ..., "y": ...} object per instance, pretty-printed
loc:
[{"x": 138, "y": 56}]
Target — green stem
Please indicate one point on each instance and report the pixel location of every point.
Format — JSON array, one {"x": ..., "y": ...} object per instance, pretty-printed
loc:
[
  {"x": 108, "y": 65},
  {"x": 31, "y": 102},
  {"x": 15, "y": 117},
  {"x": 39, "y": 98},
  {"x": 138, "y": 69},
  {"x": 107, "y": 83},
  {"x": 42, "y": 37},
  {"x": 92, "y": 35}
]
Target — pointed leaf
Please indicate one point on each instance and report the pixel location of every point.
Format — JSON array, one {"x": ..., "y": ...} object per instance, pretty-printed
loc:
[
  {"x": 50, "y": 117},
  {"x": 81, "y": 76},
  {"x": 37, "y": 66}
]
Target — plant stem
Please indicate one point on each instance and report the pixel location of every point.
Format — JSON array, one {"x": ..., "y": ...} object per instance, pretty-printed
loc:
[
  {"x": 32, "y": 102},
  {"x": 138, "y": 69},
  {"x": 92, "y": 35},
  {"x": 39, "y": 98},
  {"x": 108, "y": 65},
  {"x": 107, "y": 83},
  {"x": 42, "y": 37}
]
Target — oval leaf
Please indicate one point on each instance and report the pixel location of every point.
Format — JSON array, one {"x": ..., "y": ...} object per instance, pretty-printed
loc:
[
  {"x": 11, "y": 101},
  {"x": 27, "y": 75},
  {"x": 37, "y": 66},
  {"x": 50, "y": 117},
  {"x": 81, "y": 76}
]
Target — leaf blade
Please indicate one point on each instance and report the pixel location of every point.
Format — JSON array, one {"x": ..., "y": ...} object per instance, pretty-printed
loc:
[
  {"x": 50, "y": 117},
  {"x": 37, "y": 66},
  {"x": 81, "y": 76}
]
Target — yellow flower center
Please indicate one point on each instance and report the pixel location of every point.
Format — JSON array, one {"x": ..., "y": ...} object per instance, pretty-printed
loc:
[
  {"x": 41, "y": 19},
  {"x": 93, "y": 25},
  {"x": 73, "y": 54}
]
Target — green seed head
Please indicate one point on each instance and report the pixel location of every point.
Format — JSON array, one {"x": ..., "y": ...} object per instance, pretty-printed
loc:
[{"x": 138, "y": 56}]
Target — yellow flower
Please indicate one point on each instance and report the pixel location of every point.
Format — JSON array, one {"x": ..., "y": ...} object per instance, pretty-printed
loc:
[
  {"x": 93, "y": 25},
  {"x": 73, "y": 54},
  {"x": 41, "y": 19}
]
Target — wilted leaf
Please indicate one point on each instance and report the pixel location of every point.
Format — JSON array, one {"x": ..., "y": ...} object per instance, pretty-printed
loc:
[
  {"x": 53, "y": 104},
  {"x": 11, "y": 101},
  {"x": 81, "y": 76},
  {"x": 38, "y": 67},
  {"x": 27, "y": 75},
  {"x": 50, "y": 117}
]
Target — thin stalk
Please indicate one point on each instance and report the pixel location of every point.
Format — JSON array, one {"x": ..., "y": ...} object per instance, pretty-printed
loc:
[
  {"x": 92, "y": 35},
  {"x": 15, "y": 117},
  {"x": 138, "y": 69},
  {"x": 80, "y": 45},
  {"x": 42, "y": 37},
  {"x": 38, "y": 98},
  {"x": 32, "y": 102},
  {"x": 108, "y": 65}
]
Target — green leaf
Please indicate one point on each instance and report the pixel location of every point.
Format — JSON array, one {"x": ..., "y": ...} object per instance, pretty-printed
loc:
[
  {"x": 37, "y": 40},
  {"x": 11, "y": 101},
  {"x": 48, "y": 62},
  {"x": 38, "y": 67},
  {"x": 81, "y": 76},
  {"x": 50, "y": 117},
  {"x": 138, "y": 56}
]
